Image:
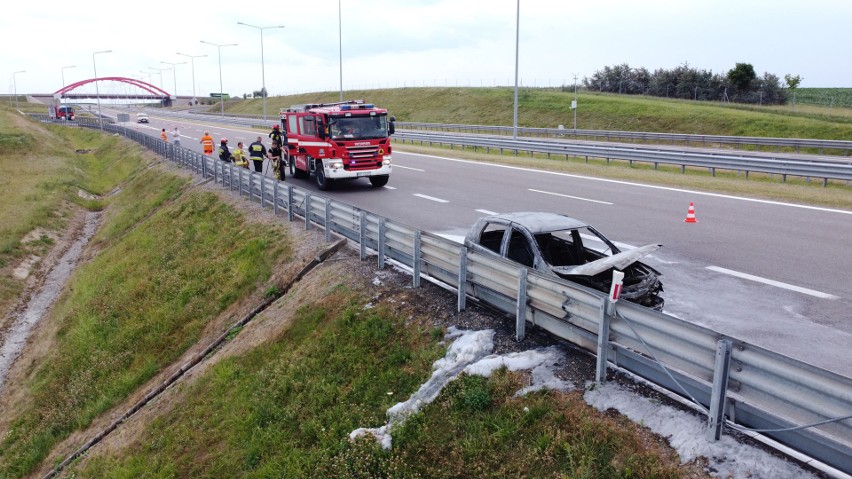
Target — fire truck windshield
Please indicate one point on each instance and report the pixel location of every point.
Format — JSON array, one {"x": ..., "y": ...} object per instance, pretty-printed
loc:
[{"x": 358, "y": 127}]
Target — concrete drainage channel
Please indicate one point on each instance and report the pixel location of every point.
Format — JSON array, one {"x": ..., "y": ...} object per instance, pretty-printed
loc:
[{"x": 154, "y": 393}]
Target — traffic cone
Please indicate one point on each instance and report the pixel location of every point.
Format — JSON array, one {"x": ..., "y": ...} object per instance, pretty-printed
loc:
[{"x": 690, "y": 214}]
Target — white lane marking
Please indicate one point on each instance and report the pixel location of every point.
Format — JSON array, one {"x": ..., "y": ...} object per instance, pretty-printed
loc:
[
  {"x": 407, "y": 167},
  {"x": 439, "y": 200},
  {"x": 656, "y": 187},
  {"x": 486, "y": 212},
  {"x": 389, "y": 187},
  {"x": 572, "y": 197},
  {"x": 777, "y": 284}
]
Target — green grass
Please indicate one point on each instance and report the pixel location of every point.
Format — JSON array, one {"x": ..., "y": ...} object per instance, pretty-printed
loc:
[
  {"x": 136, "y": 307},
  {"x": 286, "y": 410},
  {"x": 550, "y": 107}
]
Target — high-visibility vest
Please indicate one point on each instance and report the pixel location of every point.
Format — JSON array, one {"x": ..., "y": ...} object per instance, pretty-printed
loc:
[{"x": 207, "y": 143}]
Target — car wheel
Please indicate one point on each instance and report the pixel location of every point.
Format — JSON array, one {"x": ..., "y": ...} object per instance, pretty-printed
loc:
[
  {"x": 323, "y": 183},
  {"x": 379, "y": 181}
]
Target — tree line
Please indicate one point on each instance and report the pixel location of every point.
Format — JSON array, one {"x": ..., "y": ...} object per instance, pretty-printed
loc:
[{"x": 741, "y": 84}]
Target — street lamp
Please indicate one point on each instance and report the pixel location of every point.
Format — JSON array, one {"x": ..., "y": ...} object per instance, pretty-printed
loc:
[
  {"x": 97, "y": 90},
  {"x": 192, "y": 61},
  {"x": 517, "y": 42},
  {"x": 340, "y": 43},
  {"x": 15, "y": 85},
  {"x": 160, "y": 72},
  {"x": 221, "y": 93},
  {"x": 262, "y": 68},
  {"x": 174, "y": 72},
  {"x": 63, "y": 79}
]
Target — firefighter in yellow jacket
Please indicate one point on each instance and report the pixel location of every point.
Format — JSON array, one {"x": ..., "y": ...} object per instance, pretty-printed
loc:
[{"x": 239, "y": 156}]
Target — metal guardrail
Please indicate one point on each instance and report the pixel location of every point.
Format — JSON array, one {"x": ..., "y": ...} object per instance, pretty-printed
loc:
[
  {"x": 800, "y": 165},
  {"x": 801, "y": 406},
  {"x": 797, "y": 143}
]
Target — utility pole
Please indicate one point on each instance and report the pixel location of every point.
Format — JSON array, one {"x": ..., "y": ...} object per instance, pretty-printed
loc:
[{"x": 574, "y": 104}]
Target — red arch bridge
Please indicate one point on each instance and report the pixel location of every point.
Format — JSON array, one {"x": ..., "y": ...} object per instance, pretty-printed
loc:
[{"x": 151, "y": 92}]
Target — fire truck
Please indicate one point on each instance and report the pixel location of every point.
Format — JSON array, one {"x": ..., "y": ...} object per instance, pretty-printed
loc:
[{"x": 337, "y": 141}]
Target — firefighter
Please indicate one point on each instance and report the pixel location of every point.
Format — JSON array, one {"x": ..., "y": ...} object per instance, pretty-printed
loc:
[
  {"x": 277, "y": 135},
  {"x": 240, "y": 156},
  {"x": 207, "y": 143},
  {"x": 224, "y": 152},
  {"x": 163, "y": 135},
  {"x": 275, "y": 154},
  {"x": 257, "y": 152}
]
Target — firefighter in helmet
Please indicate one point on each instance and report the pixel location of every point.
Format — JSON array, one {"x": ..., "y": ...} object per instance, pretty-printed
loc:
[
  {"x": 224, "y": 152},
  {"x": 276, "y": 134}
]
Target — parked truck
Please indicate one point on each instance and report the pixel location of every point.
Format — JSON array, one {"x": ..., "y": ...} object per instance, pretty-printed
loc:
[
  {"x": 337, "y": 141},
  {"x": 61, "y": 112}
]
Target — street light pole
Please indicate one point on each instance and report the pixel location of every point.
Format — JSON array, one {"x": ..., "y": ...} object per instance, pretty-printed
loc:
[
  {"x": 517, "y": 42},
  {"x": 221, "y": 93},
  {"x": 63, "y": 79},
  {"x": 15, "y": 84},
  {"x": 192, "y": 61},
  {"x": 262, "y": 67},
  {"x": 340, "y": 43},
  {"x": 97, "y": 90},
  {"x": 174, "y": 73},
  {"x": 159, "y": 72}
]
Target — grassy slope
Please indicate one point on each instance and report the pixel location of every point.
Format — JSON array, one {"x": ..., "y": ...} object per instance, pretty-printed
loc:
[
  {"x": 549, "y": 108},
  {"x": 169, "y": 262},
  {"x": 286, "y": 409}
]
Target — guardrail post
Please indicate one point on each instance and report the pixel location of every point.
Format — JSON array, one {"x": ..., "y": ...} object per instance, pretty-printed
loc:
[
  {"x": 381, "y": 243},
  {"x": 607, "y": 315},
  {"x": 363, "y": 234},
  {"x": 289, "y": 202},
  {"x": 203, "y": 167},
  {"x": 521, "y": 313},
  {"x": 462, "y": 278},
  {"x": 275, "y": 198},
  {"x": 215, "y": 179},
  {"x": 327, "y": 220},
  {"x": 307, "y": 210},
  {"x": 240, "y": 182},
  {"x": 716, "y": 414},
  {"x": 262, "y": 191},
  {"x": 416, "y": 262}
]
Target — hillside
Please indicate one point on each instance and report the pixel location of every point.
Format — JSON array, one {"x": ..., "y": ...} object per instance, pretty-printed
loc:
[{"x": 549, "y": 108}]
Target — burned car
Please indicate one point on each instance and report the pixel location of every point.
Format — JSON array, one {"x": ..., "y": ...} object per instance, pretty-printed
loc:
[{"x": 568, "y": 248}]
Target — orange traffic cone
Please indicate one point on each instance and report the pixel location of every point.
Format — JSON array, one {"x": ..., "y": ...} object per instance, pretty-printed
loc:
[{"x": 690, "y": 214}]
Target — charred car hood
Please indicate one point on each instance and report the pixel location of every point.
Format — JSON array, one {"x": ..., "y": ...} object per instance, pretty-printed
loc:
[{"x": 618, "y": 261}]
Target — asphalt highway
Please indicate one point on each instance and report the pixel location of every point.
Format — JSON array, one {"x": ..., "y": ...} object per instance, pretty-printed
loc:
[{"x": 774, "y": 274}]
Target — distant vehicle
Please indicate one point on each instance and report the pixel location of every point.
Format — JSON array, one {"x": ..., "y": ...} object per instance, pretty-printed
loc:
[
  {"x": 141, "y": 118},
  {"x": 61, "y": 112},
  {"x": 568, "y": 248}
]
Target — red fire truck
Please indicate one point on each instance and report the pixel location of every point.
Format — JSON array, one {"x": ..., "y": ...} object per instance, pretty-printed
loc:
[{"x": 336, "y": 141}]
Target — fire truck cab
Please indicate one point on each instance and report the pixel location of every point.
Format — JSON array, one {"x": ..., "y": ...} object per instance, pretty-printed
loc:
[{"x": 336, "y": 141}]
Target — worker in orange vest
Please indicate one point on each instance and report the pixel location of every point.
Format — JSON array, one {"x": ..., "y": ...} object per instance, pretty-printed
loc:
[
  {"x": 163, "y": 135},
  {"x": 207, "y": 143}
]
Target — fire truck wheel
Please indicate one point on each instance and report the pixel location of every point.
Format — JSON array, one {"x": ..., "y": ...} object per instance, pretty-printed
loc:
[
  {"x": 322, "y": 182},
  {"x": 295, "y": 172},
  {"x": 379, "y": 181}
]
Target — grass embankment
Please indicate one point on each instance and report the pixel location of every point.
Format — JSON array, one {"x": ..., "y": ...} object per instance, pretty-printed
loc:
[
  {"x": 286, "y": 409},
  {"x": 168, "y": 264},
  {"x": 549, "y": 108}
]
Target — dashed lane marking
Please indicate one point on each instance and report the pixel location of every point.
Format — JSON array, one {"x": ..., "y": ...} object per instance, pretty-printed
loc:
[
  {"x": 431, "y": 198},
  {"x": 407, "y": 167}
]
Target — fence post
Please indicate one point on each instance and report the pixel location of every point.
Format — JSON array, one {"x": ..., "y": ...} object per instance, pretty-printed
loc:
[
  {"x": 716, "y": 414},
  {"x": 521, "y": 312},
  {"x": 462, "y": 278},
  {"x": 381, "y": 243},
  {"x": 240, "y": 182},
  {"x": 363, "y": 235},
  {"x": 262, "y": 191},
  {"x": 416, "y": 265}
]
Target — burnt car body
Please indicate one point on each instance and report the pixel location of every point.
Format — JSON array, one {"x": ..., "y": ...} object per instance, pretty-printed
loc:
[{"x": 568, "y": 248}]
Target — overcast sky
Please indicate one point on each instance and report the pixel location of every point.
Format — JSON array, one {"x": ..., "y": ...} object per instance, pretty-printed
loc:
[{"x": 415, "y": 42}]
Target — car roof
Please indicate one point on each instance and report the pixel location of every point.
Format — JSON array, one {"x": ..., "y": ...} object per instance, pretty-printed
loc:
[{"x": 539, "y": 222}]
